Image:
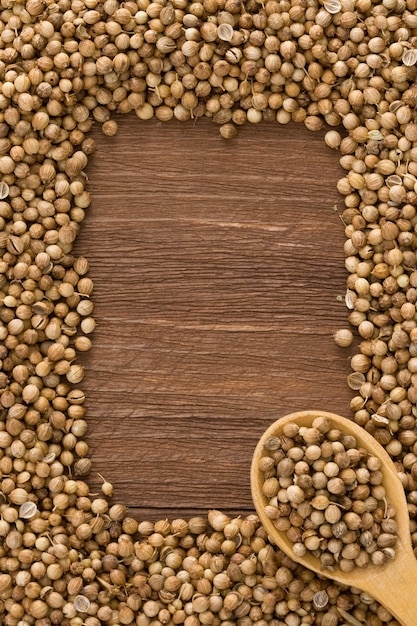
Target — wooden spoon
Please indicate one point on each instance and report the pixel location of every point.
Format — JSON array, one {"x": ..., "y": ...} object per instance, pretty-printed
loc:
[{"x": 393, "y": 584}]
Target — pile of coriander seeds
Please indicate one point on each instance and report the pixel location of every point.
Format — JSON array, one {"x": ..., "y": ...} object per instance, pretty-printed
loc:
[
  {"x": 70, "y": 558},
  {"x": 327, "y": 494}
]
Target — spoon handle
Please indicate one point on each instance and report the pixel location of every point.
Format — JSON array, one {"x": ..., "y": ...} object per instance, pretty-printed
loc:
[{"x": 395, "y": 586}]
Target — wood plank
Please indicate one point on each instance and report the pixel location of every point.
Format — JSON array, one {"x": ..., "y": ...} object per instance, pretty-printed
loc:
[{"x": 218, "y": 270}]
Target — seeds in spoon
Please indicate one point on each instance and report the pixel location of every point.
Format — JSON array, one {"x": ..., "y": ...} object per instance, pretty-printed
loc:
[{"x": 327, "y": 495}]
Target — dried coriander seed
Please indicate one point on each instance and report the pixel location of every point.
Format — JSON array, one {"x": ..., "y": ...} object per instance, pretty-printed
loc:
[{"x": 325, "y": 509}]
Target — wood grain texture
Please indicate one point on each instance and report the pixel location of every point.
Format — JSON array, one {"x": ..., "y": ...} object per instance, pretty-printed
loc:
[{"x": 218, "y": 269}]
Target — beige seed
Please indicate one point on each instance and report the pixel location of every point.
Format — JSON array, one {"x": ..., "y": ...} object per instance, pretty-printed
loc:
[
  {"x": 225, "y": 32},
  {"x": 343, "y": 337}
]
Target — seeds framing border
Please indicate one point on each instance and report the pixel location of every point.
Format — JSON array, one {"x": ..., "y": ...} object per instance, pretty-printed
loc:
[{"x": 65, "y": 65}]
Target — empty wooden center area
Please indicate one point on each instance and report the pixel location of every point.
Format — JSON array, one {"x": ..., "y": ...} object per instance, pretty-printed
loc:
[{"x": 218, "y": 270}]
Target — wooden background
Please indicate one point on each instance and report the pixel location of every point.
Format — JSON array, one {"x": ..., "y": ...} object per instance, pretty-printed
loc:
[{"x": 218, "y": 270}]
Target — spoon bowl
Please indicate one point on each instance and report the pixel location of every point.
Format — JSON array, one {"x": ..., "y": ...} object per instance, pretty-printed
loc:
[{"x": 393, "y": 584}]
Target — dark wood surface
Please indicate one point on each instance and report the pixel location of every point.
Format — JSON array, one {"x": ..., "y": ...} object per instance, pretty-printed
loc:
[{"x": 218, "y": 270}]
